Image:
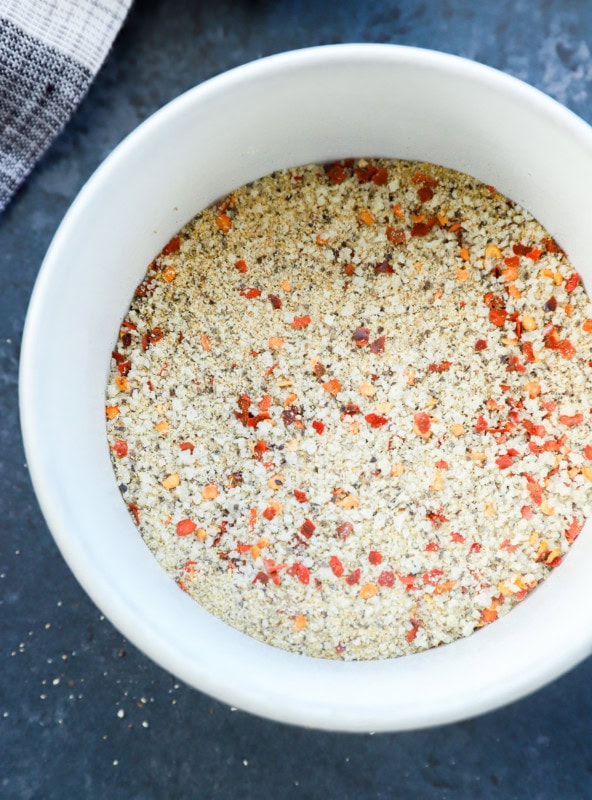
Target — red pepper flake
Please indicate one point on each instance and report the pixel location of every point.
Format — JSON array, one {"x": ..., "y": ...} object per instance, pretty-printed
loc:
[
  {"x": 573, "y": 530},
  {"x": 245, "y": 416},
  {"x": 481, "y": 425},
  {"x": 384, "y": 268},
  {"x": 261, "y": 577},
  {"x": 375, "y": 420},
  {"x": 422, "y": 422},
  {"x": 300, "y": 322},
  {"x": 260, "y": 448},
  {"x": 436, "y": 518},
  {"x": 353, "y": 577},
  {"x": 269, "y": 513},
  {"x": 275, "y": 301},
  {"x": 395, "y": 235},
  {"x": 425, "y": 193},
  {"x": 514, "y": 365},
  {"x": 534, "y": 254},
  {"x": 526, "y": 512},
  {"x": 333, "y": 386},
  {"x": 377, "y": 346},
  {"x": 572, "y": 282},
  {"x": 480, "y": 344},
  {"x": 187, "y": 446},
  {"x": 120, "y": 448},
  {"x": 350, "y": 410},
  {"x": 307, "y": 528},
  {"x": 374, "y": 557},
  {"x": 475, "y": 548},
  {"x": 576, "y": 419},
  {"x": 336, "y": 566},
  {"x": 241, "y": 265},
  {"x": 566, "y": 348},
  {"x": 457, "y": 537},
  {"x": 344, "y": 529},
  {"x": 503, "y": 462},
  {"x": 534, "y": 430},
  {"x": 335, "y": 173},
  {"x": 224, "y": 222},
  {"x": 300, "y": 571},
  {"x": 520, "y": 249},
  {"x": 423, "y": 228},
  {"x": 135, "y": 512},
  {"x": 185, "y": 527},
  {"x": 442, "y": 464},
  {"x": 250, "y": 294},
  {"x": 386, "y": 578},
  {"x": 440, "y": 367},
  {"x": 432, "y": 547},
  {"x": 497, "y": 316},
  {"x": 318, "y": 426},
  {"x": 411, "y": 634},
  {"x": 551, "y": 304},
  {"x": 432, "y": 577},
  {"x": 528, "y": 352},
  {"x": 171, "y": 247},
  {"x": 588, "y": 451},
  {"x": 512, "y": 261},
  {"x": 380, "y": 177},
  {"x": 361, "y": 336},
  {"x": 300, "y": 496}
]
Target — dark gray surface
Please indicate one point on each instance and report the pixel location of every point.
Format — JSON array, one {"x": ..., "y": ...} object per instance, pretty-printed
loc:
[{"x": 65, "y": 672}]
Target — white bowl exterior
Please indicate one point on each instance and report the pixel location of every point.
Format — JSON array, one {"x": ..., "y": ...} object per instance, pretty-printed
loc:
[{"x": 300, "y": 107}]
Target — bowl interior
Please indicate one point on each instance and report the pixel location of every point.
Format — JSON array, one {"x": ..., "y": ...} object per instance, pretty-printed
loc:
[{"x": 301, "y": 107}]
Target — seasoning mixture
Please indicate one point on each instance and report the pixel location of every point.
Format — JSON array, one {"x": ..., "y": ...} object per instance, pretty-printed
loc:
[{"x": 350, "y": 407}]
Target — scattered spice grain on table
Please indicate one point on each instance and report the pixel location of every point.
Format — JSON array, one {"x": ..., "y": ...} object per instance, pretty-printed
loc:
[{"x": 350, "y": 407}]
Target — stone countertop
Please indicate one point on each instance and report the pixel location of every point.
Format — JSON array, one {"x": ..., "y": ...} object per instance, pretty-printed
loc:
[{"x": 82, "y": 712}]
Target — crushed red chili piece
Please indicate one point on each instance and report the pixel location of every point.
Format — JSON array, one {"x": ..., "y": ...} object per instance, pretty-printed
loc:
[
  {"x": 503, "y": 462},
  {"x": 171, "y": 247},
  {"x": 275, "y": 301},
  {"x": 300, "y": 496},
  {"x": 432, "y": 547},
  {"x": 422, "y": 420},
  {"x": 318, "y": 426},
  {"x": 259, "y": 449},
  {"x": 374, "y": 557},
  {"x": 386, "y": 578},
  {"x": 120, "y": 448},
  {"x": 344, "y": 529},
  {"x": 423, "y": 228},
  {"x": 353, "y": 577},
  {"x": 135, "y": 512},
  {"x": 573, "y": 530},
  {"x": 261, "y": 577},
  {"x": 300, "y": 571},
  {"x": 377, "y": 346},
  {"x": 395, "y": 235},
  {"x": 300, "y": 322},
  {"x": 570, "y": 421},
  {"x": 432, "y": 576},
  {"x": 440, "y": 367},
  {"x": 475, "y": 548},
  {"x": 335, "y": 173},
  {"x": 457, "y": 537},
  {"x": 187, "y": 446},
  {"x": 307, "y": 528},
  {"x": 572, "y": 282},
  {"x": 241, "y": 265},
  {"x": 336, "y": 566},
  {"x": 497, "y": 316},
  {"x": 521, "y": 249},
  {"x": 480, "y": 344},
  {"x": 425, "y": 193},
  {"x": 185, "y": 527},
  {"x": 384, "y": 268},
  {"x": 375, "y": 420},
  {"x": 250, "y": 294},
  {"x": 350, "y": 410}
]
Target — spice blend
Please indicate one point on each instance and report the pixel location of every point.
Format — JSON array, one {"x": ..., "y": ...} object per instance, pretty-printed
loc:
[{"x": 350, "y": 407}]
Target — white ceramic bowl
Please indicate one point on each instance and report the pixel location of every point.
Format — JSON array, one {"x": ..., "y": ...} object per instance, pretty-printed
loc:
[{"x": 306, "y": 106}]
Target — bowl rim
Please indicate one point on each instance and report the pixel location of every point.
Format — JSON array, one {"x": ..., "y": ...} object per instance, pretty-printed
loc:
[{"x": 302, "y": 710}]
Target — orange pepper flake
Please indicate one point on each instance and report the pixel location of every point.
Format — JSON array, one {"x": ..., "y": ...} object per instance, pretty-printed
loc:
[
  {"x": 224, "y": 222},
  {"x": 241, "y": 265},
  {"x": 398, "y": 211},
  {"x": 497, "y": 316},
  {"x": 368, "y": 590},
  {"x": 169, "y": 274},
  {"x": 250, "y": 294},
  {"x": 205, "y": 342},
  {"x": 568, "y": 308},
  {"x": 171, "y": 481},
  {"x": 120, "y": 448},
  {"x": 587, "y": 326},
  {"x": 534, "y": 254},
  {"x": 492, "y": 251},
  {"x": 252, "y": 518},
  {"x": 533, "y": 388},
  {"x": 366, "y": 390},
  {"x": 275, "y": 343},
  {"x": 333, "y": 386},
  {"x": 349, "y": 502},
  {"x": 444, "y": 587},
  {"x": 573, "y": 530},
  {"x": 210, "y": 492},
  {"x": 286, "y": 285},
  {"x": 462, "y": 275},
  {"x": 265, "y": 402},
  {"x": 187, "y": 446},
  {"x": 111, "y": 411},
  {"x": 464, "y": 254},
  {"x": 488, "y": 615},
  {"x": 349, "y": 270},
  {"x": 320, "y": 241},
  {"x": 300, "y": 622},
  {"x": 185, "y": 527},
  {"x": 367, "y": 218},
  {"x": 395, "y": 235},
  {"x": 122, "y": 383},
  {"x": 457, "y": 429},
  {"x": 162, "y": 426},
  {"x": 300, "y": 322}
]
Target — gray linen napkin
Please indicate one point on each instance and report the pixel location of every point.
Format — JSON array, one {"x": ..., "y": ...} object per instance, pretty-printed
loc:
[{"x": 50, "y": 51}]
